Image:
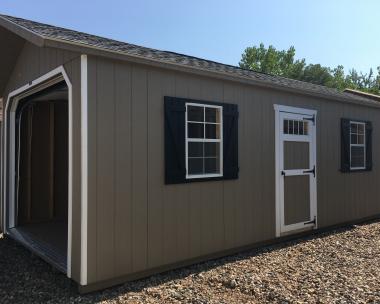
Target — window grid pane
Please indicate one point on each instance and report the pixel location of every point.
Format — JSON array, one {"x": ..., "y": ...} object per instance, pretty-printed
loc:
[
  {"x": 204, "y": 140},
  {"x": 357, "y": 145},
  {"x": 195, "y": 113},
  {"x": 295, "y": 127}
]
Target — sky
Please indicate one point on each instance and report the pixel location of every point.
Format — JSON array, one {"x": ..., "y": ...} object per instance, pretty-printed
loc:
[{"x": 329, "y": 32}]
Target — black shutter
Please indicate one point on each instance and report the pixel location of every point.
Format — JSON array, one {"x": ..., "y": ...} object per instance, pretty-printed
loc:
[
  {"x": 175, "y": 166},
  {"x": 230, "y": 141},
  {"x": 368, "y": 140},
  {"x": 345, "y": 145}
]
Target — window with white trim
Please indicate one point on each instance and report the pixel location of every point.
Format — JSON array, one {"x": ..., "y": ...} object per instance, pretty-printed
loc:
[
  {"x": 357, "y": 145},
  {"x": 204, "y": 140}
]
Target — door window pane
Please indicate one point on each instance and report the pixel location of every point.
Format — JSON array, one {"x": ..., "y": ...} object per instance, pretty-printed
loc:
[
  {"x": 286, "y": 126},
  {"x": 291, "y": 127},
  {"x": 305, "y": 128},
  {"x": 295, "y": 127},
  {"x": 301, "y": 128}
]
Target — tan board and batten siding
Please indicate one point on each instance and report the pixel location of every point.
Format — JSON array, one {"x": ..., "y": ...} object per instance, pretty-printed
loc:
[
  {"x": 136, "y": 223},
  {"x": 32, "y": 63}
]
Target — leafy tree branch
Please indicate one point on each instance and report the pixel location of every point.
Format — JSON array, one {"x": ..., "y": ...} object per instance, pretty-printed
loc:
[{"x": 283, "y": 63}]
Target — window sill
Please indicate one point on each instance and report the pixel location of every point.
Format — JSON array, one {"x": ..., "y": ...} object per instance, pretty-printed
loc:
[
  {"x": 203, "y": 176},
  {"x": 355, "y": 170}
]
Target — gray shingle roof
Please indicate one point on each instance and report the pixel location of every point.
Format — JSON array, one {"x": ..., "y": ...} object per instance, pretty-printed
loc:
[{"x": 65, "y": 35}]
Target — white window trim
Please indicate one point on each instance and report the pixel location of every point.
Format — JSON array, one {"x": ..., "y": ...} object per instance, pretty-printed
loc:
[
  {"x": 364, "y": 145},
  {"x": 220, "y": 141}
]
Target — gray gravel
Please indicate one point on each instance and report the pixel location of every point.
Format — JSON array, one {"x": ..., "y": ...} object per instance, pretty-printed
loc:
[{"x": 342, "y": 266}]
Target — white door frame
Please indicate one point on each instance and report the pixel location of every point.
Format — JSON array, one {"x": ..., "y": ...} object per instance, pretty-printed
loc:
[
  {"x": 281, "y": 228},
  {"x": 57, "y": 75}
]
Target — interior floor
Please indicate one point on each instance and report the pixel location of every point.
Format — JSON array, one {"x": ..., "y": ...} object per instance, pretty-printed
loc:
[{"x": 48, "y": 240}]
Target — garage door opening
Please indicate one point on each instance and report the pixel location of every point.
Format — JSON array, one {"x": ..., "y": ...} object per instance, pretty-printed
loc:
[{"x": 41, "y": 174}]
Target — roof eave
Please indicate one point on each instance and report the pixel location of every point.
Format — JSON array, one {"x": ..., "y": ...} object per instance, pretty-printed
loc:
[
  {"x": 363, "y": 94},
  {"x": 96, "y": 51},
  {"x": 22, "y": 32}
]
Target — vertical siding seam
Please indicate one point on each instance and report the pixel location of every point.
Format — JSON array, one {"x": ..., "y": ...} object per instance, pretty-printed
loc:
[
  {"x": 176, "y": 213},
  {"x": 132, "y": 194},
  {"x": 130, "y": 173},
  {"x": 115, "y": 189},
  {"x": 96, "y": 166},
  {"x": 241, "y": 239},
  {"x": 188, "y": 192},
  {"x": 262, "y": 167},
  {"x": 223, "y": 183},
  {"x": 147, "y": 168}
]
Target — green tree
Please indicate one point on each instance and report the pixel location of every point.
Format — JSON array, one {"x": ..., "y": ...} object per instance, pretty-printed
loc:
[
  {"x": 315, "y": 73},
  {"x": 364, "y": 82},
  {"x": 283, "y": 63},
  {"x": 271, "y": 61},
  {"x": 338, "y": 80}
]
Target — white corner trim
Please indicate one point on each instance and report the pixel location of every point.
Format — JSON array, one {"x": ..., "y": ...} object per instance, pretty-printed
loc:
[
  {"x": 70, "y": 184},
  {"x": 277, "y": 168},
  {"x": 8, "y": 183},
  {"x": 84, "y": 164}
]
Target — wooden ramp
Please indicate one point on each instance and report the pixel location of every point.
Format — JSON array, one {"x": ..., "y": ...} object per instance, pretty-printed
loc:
[{"x": 48, "y": 240}]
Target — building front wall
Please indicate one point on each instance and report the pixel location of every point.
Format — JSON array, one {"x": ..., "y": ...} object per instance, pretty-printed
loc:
[
  {"x": 137, "y": 223},
  {"x": 32, "y": 63}
]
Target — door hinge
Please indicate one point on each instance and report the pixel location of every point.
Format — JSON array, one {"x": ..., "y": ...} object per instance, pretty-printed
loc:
[
  {"x": 312, "y": 119},
  {"x": 310, "y": 171},
  {"x": 314, "y": 221}
]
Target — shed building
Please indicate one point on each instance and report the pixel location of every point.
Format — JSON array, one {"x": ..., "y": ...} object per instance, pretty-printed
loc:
[{"x": 121, "y": 161}]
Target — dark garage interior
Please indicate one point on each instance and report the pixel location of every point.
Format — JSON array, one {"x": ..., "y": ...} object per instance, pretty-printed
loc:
[{"x": 41, "y": 183}]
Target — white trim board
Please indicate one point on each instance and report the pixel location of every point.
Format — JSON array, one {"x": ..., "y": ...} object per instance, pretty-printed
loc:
[
  {"x": 8, "y": 176},
  {"x": 292, "y": 112},
  {"x": 84, "y": 164}
]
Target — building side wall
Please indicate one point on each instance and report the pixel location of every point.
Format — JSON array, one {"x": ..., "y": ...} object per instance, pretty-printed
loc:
[
  {"x": 137, "y": 223},
  {"x": 32, "y": 63}
]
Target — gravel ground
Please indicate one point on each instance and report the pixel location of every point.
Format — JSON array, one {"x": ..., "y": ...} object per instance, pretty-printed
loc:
[{"x": 342, "y": 266}]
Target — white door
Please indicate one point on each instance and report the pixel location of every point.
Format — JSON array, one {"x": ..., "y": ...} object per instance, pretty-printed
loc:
[{"x": 296, "y": 172}]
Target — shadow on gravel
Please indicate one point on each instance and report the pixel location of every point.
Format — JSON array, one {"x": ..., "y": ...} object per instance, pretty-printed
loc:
[{"x": 26, "y": 278}]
